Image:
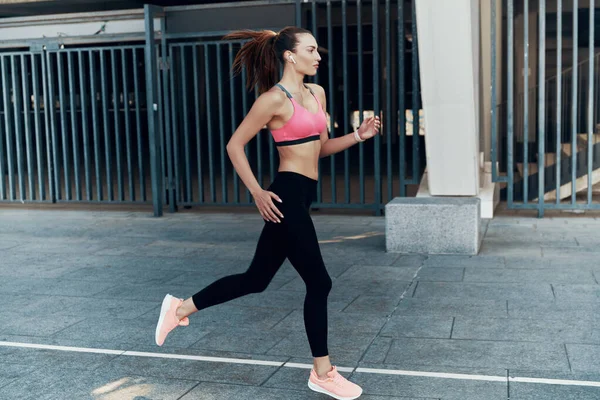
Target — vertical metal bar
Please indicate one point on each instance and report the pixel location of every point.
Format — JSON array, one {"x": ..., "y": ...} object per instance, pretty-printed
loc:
[
  {"x": 63, "y": 126},
  {"x": 116, "y": 110},
  {"x": 53, "y": 170},
  {"x": 83, "y": 82},
  {"x": 186, "y": 127},
  {"x": 298, "y": 13},
  {"x": 27, "y": 121},
  {"x": 127, "y": 127},
  {"x": 18, "y": 126},
  {"x": 388, "y": 100},
  {"x": 138, "y": 125},
  {"x": 315, "y": 31},
  {"x": 590, "y": 104},
  {"x": 526, "y": 102},
  {"x": 541, "y": 106},
  {"x": 104, "y": 96},
  {"x": 167, "y": 104},
  {"x": 574, "y": 107},
  {"x": 510, "y": 100},
  {"x": 361, "y": 150},
  {"x": 175, "y": 124},
  {"x": 222, "y": 152},
  {"x": 236, "y": 188},
  {"x": 346, "y": 100},
  {"x": 245, "y": 110},
  {"x": 401, "y": 100},
  {"x": 331, "y": 100},
  {"x": 94, "y": 107},
  {"x": 211, "y": 172},
  {"x": 376, "y": 106},
  {"x": 160, "y": 119},
  {"x": 8, "y": 128},
  {"x": 37, "y": 128},
  {"x": 74, "y": 131},
  {"x": 415, "y": 98},
  {"x": 558, "y": 96},
  {"x": 3, "y": 134},
  {"x": 494, "y": 153},
  {"x": 198, "y": 132},
  {"x": 151, "y": 83}
]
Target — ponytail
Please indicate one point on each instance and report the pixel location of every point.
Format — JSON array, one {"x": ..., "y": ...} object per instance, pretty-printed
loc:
[{"x": 262, "y": 54}]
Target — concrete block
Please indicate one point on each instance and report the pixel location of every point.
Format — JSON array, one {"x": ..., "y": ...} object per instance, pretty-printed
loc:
[{"x": 433, "y": 225}]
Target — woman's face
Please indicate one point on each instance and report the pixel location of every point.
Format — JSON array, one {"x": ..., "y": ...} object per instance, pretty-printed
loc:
[{"x": 306, "y": 55}]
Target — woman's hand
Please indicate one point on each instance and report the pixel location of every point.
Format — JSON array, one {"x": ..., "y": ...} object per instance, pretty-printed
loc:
[
  {"x": 266, "y": 207},
  {"x": 369, "y": 128}
]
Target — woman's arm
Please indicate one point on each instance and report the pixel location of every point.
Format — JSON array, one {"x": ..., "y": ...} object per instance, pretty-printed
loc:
[
  {"x": 264, "y": 108},
  {"x": 368, "y": 129}
]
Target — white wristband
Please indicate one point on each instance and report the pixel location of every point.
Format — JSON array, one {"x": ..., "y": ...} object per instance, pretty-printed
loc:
[{"x": 357, "y": 136}]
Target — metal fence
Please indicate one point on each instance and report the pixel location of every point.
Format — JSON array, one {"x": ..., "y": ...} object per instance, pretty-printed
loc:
[
  {"x": 76, "y": 125},
  {"x": 548, "y": 148}
]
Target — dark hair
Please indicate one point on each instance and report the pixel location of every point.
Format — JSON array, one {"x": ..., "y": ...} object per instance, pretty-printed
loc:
[{"x": 262, "y": 54}]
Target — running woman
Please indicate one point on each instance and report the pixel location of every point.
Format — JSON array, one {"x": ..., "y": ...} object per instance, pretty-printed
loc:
[{"x": 295, "y": 113}]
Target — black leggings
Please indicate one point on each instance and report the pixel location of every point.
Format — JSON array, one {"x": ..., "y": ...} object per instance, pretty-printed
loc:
[{"x": 294, "y": 238}]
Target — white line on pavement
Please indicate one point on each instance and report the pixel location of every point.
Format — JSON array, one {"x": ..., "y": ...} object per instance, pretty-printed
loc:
[{"x": 425, "y": 374}]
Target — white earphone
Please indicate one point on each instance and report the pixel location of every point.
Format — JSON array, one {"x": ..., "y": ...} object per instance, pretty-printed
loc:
[{"x": 292, "y": 59}]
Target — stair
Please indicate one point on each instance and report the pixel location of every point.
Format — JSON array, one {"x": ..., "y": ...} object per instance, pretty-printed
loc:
[{"x": 581, "y": 183}]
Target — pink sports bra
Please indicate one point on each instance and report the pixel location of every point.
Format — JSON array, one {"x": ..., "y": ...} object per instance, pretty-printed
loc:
[{"x": 303, "y": 126}]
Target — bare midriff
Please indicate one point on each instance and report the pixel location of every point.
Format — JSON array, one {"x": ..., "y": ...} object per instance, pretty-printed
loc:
[{"x": 301, "y": 158}]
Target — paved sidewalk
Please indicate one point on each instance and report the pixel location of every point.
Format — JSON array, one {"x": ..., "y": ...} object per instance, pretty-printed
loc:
[{"x": 81, "y": 293}]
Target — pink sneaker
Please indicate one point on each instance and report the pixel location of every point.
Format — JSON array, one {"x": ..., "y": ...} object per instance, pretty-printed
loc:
[
  {"x": 167, "y": 321},
  {"x": 335, "y": 385}
]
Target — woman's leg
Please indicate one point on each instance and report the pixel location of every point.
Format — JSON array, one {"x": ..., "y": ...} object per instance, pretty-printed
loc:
[
  {"x": 268, "y": 258},
  {"x": 305, "y": 256}
]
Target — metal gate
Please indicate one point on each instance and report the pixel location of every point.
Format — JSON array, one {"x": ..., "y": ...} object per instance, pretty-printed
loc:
[
  {"x": 548, "y": 148},
  {"x": 74, "y": 125},
  {"x": 148, "y": 122}
]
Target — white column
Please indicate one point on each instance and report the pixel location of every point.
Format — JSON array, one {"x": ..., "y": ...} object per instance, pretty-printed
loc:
[{"x": 448, "y": 36}]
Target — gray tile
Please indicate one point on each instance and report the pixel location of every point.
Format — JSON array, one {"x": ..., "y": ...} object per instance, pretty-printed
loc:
[
  {"x": 192, "y": 370},
  {"x": 71, "y": 383},
  {"x": 547, "y": 275},
  {"x": 345, "y": 349},
  {"x": 15, "y": 323},
  {"x": 487, "y": 291},
  {"x": 528, "y": 262},
  {"x": 13, "y": 372},
  {"x": 52, "y": 358},
  {"x": 558, "y": 309},
  {"x": 241, "y": 340},
  {"x": 450, "y": 307},
  {"x": 448, "y": 274},
  {"x": 428, "y": 387},
  {"x": 378, "y": 350},
  {"x": 34, "y": 286},
  {"x": 479, "y": 354},
  {"x": 533, "y": 391},
  {"x": 421, "y": 327},
  {"x": 339, "y": 323},
  {"x": 374, "y": 305},
  {"x": 377, "y": 273},
  {"x": 584, "y": 358},
  {"x": 527, "y": 330},
  {"x": 464, "y": 261},
  {"x": 577, "y": 293}
]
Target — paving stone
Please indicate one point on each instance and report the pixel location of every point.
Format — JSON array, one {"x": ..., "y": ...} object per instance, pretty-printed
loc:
[
  {"x": 464, "y": 261},
  {"x": 418, "y": 327},
  {"x": 584, "y": 358},
  {"x": 485, "y": 291},
  {"x": 452, "y": 307},
  {"x": 554, "y": 310},
  {"x": 548, "y": 275},
  {"x": 431, "y": 274},
  {"x": 540, "y": 391},
  {"x": 581, "y": 293},
  {"x": 479, "y": 354},
  {"x": 527, "y": 330},
  {"x": 63, "y": 383}
]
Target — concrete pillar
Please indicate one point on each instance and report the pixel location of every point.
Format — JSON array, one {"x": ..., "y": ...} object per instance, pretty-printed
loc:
[{"x": 449, "y": 55}]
